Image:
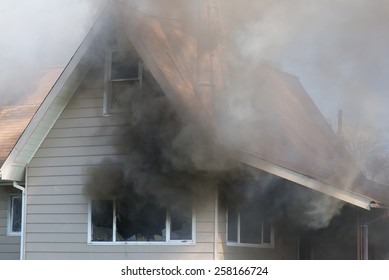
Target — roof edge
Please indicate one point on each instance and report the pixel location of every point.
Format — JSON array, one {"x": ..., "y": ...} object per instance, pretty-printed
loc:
[
  {"x": 325, "y": 188},
  {"x": 12, "y": 168}
]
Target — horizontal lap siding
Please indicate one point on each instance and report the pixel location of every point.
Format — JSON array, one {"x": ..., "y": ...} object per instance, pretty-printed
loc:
[
  {"x": 57, "y": 210},
  {"x": 9, "y": 245}
]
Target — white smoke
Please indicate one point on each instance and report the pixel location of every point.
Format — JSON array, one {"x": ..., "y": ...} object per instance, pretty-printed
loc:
[
  {"x": 336, "y": 48},
  {"x": 37, "y": 35}
]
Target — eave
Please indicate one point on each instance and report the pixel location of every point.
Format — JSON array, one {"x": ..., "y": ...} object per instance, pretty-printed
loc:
[{"x": 325, "y": 188}]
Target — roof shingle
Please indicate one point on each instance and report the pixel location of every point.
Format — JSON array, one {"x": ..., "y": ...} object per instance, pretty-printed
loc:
[{"x": 15, "y": 117}]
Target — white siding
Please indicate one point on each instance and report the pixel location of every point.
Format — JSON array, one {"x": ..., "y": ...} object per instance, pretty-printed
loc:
[{"x": 9, "y": 245}]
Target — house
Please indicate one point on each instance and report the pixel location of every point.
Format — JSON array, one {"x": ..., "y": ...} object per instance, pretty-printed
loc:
[{"x": 147, "y": 145}]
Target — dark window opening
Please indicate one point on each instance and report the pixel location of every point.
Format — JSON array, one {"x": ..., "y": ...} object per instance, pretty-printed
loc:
[
  {"x": 267, "y": 228},
  {"x": 232, "y": 225},
  {"x": 123, "y": 80},
  {"x": 305, "y": 248},
  {"x": 102, "y": 220},
  {"x": 16, "y": 214},
  {"x": 181, "y": 223},
  {"x": 124, "y": 65},
  {"x": 122, "y": 94},
  {"x": 140, "y": 220},
  {"x": 250, "y": 226},
  {"x": 247, "y": 225}
]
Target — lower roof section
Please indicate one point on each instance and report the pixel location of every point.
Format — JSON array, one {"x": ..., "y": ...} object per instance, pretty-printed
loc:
[{"x": 306, "y": 181}]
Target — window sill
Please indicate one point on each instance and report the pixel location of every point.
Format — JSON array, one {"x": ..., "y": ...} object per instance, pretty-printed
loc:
[
  {"x": 108, "y": 113},
  {"x": 248, "y": 245},
  {"x": 14, "y": 234},
  {"x": 144, "y": 243}
]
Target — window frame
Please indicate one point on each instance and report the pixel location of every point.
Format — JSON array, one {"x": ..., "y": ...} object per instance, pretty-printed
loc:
[
  {"x": 108, "y": 81},
  {"x": 238, "y": 243},
  {"x": 168, "y": 241},
  {"x": 10, "y": 231}
]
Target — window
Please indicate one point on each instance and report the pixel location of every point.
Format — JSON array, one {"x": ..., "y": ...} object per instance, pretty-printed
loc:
[
  {"x": 15, "y": 215},
  {"x": 246, "y": 226},
  {"x": 123, "y": 221},
  {"x": 123, "y": 78}
]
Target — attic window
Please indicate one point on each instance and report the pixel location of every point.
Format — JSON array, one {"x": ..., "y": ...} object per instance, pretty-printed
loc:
[
  {"x": 15, "y": 215},
  {"x": 126, "y": 222},
  {"x": 246, "y": 226},
  {"x": 123, "y": 77}
]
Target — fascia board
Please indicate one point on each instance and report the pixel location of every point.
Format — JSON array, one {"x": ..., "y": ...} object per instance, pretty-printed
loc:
[{"x": 303, "y": 180}]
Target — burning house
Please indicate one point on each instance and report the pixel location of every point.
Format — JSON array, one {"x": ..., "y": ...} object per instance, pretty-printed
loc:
[{"x": 151, "y": 136}]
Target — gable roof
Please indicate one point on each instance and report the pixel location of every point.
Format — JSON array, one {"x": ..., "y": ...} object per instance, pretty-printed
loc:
[{"x": 286, "y": 136}]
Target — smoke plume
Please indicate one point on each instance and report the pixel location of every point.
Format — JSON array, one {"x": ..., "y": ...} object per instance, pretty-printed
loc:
[
  {"x": 165, "y": 158},
  {"x": 169, "y": 158},
  {"x": 336, "y": 48}
]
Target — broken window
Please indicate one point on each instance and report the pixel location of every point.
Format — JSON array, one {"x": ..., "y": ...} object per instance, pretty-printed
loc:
[
  {"x": 247, "y": 225},
  {"x": 140, "y": 220},
  {"x": 15, "y": 223},
  {"x": 122, "y": 79},
  {"x": 102, "y": 220},
  {"x": 181, "y": 223}
]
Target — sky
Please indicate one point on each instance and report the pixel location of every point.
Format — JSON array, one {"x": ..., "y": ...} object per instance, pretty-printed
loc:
[
  {"x": 36, "y": 35},
  {"x": 337, "y": 48},
  {"x": 32, "y": 30}
]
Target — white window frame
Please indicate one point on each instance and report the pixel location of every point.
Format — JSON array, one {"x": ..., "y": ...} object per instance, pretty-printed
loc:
[
  {"x": 238, "y": 243},
  {"x": 10, "y": 232},
  {"x": 107, "y": 107},
  {"x": 167, "y": 225}
]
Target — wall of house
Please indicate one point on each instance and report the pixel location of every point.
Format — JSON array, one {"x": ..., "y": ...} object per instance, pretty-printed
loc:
[
  {"x": 57, "y": 205},
  {"x": 9, "y": 245}
]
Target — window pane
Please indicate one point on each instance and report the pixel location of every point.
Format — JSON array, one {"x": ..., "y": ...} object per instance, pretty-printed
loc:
[
  {"x": 16, "y": 214},
  {"x": 102, "y": 220},
  {"x": 181, "y": 223},
  {"x": 121, "y": 94},
  {"x": 266, "y": 232},
  {"x": 250, "y": 227},
  {"x": 125, "y": 65},
  {"x": 232, "y": 225},
  {"x": 140, "y": 220}
]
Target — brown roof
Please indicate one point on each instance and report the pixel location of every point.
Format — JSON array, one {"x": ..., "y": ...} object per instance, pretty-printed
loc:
[
  {"x": 287, "y": 129},
  {"x": 15, "y": 115},
  {"x": 283, "y": 125}
]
